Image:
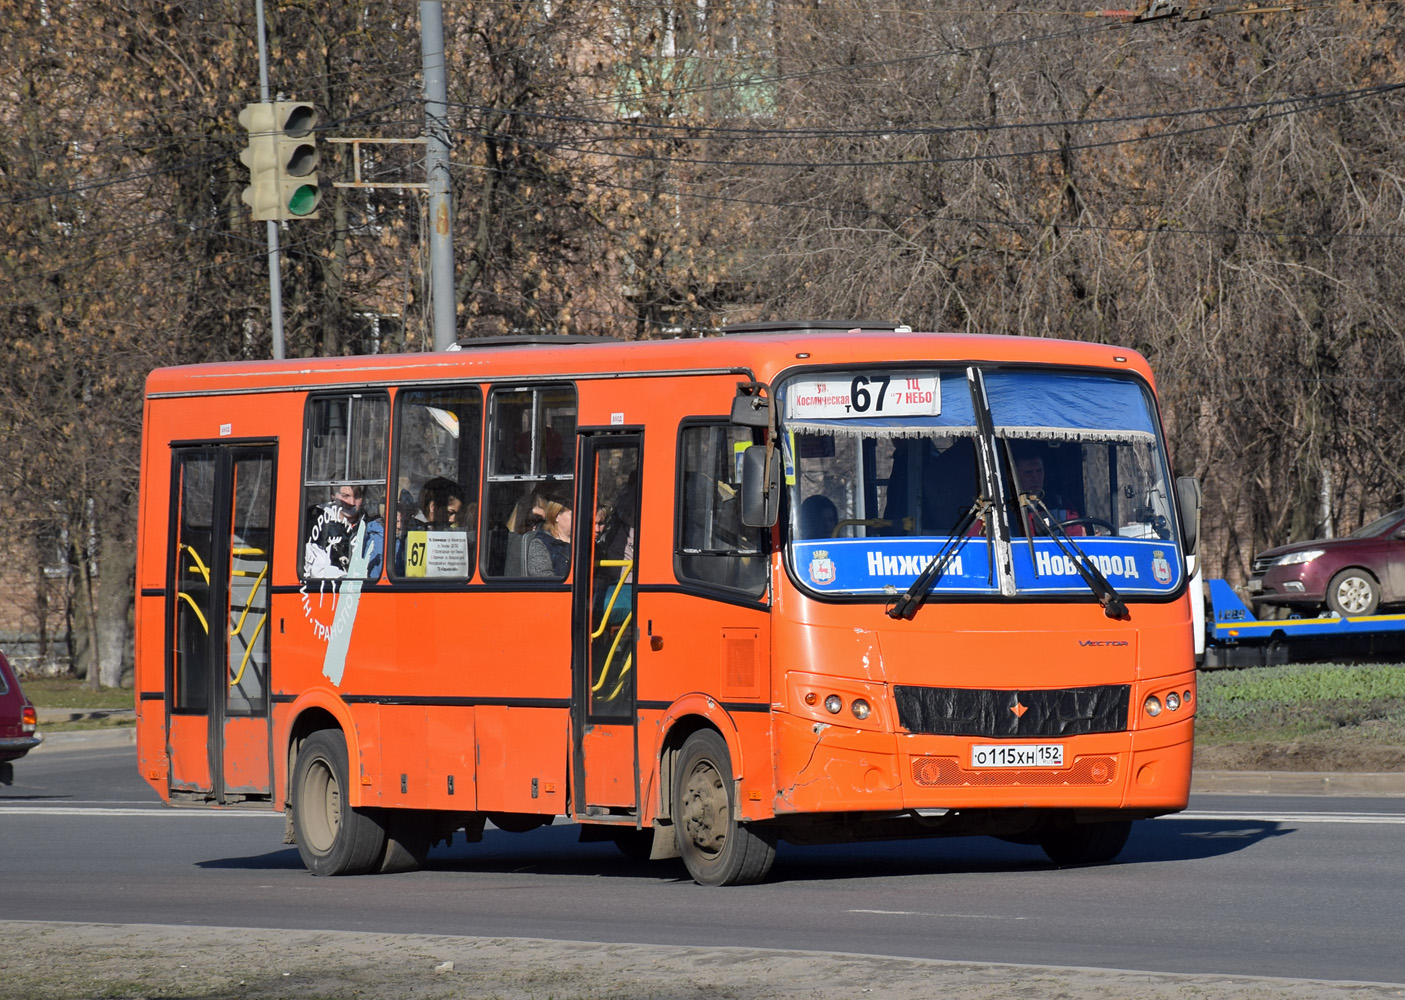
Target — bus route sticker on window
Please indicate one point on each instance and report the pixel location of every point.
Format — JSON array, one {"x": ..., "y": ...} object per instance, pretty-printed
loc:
[
  {"x": 436, "y": 554},
  {"x": 864, "y": 396}
]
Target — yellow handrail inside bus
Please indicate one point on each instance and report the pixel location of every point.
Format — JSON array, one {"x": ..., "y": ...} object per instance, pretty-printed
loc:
[
  {"x": 250, "y": 606},
  {"x": 624, "y": 672},
  {"x": 625, "y": 565},
  {"x": 605, "y": 670},
  {"x": 249, "y": 651},
  {"x": 199, "y": 566},
  {"x": 248, "y": 552},
  {"x": 198, "y": 613},
  {"x": 239, "y": 627}
]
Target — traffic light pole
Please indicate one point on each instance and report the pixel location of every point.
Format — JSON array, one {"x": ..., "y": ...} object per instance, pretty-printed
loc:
[
  {"x": 436, "y": 128},
  {"x": 275, "y": 270}
]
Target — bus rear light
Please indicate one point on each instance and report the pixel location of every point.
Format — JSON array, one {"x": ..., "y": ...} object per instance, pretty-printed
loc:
[
  {"x": 1152, "y": 705},
  {"x": 834, "y": 704},
  {"x": 861, "y": 709}
]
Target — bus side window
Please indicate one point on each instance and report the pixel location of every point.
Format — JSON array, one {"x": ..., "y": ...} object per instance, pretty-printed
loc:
[
  {"x": 343, "y": 499},
  {"x": 438, "y": 440},
  {"x": 713, "y": 546},
  {"x": 531, "y": 453}
]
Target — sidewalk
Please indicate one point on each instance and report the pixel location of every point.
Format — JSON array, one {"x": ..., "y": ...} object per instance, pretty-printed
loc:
[
  {"x": 1202, "y": 782},
  {"x": 122, "y": 734}
]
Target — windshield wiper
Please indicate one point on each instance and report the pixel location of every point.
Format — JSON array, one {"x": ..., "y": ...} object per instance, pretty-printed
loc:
[
  {"x": 907, "y": 605},
  {"x": 1110, "y": 599}
]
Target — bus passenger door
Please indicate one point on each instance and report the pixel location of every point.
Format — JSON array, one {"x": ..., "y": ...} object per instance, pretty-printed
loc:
[
  {"x": 217, "y": 703},
  {"x": 605, "y": 773}
]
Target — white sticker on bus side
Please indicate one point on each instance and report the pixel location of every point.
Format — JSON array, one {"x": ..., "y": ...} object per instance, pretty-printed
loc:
[{"x": 348, "y": 599}]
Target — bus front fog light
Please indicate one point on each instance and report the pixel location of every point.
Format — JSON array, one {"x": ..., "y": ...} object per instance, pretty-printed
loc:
[
  {"x": 1152, "y": 706},
  {"x": 1173, "y": 701},
  {"x": 860, "y": 708},
  {"x": 833, "y": 704}
]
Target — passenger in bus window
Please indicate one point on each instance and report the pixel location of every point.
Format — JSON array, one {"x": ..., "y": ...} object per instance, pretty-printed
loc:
[
  {"x": 334, "y": 526},
  {"x": 614, "y": 542},
  {"x": 549, "y": 547},
  {"x": 524, "y": 519},
  {"x": 818, "y": 517},
  {"x": 441, "y": 503}
]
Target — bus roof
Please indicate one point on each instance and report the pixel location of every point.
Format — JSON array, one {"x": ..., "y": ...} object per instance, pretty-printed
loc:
[{"x": 760, "y": 355}]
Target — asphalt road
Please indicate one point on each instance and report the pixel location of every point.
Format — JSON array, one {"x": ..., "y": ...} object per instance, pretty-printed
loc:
[{"x": 1305, "y": 887}]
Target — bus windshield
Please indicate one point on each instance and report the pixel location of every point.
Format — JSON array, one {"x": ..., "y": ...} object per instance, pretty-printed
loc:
[{"x": 1014, "y": 472}]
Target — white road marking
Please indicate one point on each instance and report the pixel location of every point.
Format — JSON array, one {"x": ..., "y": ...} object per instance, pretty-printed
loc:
[
  {"x": 923, "y": 913},
  {"x": 6, "y": 808},
  {"x": 1388, "y": 819}
]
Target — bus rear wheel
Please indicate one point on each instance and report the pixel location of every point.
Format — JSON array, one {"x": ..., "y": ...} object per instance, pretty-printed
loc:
[
  {"x": 716, "y": 848},
  {"x": 1068, "y": 843},
  {"x": 333, "y": 838}
]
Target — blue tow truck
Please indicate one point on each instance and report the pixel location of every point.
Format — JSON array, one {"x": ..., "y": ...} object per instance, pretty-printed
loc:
[{"x": 1235, "y": 638}]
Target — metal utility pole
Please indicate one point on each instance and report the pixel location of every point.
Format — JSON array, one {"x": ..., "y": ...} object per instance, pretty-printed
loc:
[
  {"x": 275, "y": 271},
  {"x": 441, "y": 216}
]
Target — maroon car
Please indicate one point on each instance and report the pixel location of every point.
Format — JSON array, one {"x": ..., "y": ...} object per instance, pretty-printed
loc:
[
  {"x": 18, "y": 722},
  {"x": 1352, "y": 576}
]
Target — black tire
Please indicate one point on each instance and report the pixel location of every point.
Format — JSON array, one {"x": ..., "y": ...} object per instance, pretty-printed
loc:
[
  {"x": 636, "y": 845},
  {"x": 408, "y": 833},
  {"x": 333, "y": 838},
  {"x": 716, "y": 849},
  {"x": 1069, "y": 843},
  {"x": 1353, "y": 592}
]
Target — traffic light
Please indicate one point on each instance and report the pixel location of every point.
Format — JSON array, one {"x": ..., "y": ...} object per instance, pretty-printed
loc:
[{"x": 282, "y": 160}]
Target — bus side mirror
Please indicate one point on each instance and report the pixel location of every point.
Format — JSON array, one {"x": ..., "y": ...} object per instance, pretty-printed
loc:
[
  {"x": 761, "y": 499},
  {"x": 1188, "y": 498},
  {"x": 749, "y": 407}
]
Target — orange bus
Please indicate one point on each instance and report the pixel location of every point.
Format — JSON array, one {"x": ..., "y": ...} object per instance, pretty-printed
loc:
[{"x": 698, "y": 596}]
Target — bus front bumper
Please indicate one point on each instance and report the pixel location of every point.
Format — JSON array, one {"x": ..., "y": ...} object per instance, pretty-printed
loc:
[{"x": 838, "y": 769}]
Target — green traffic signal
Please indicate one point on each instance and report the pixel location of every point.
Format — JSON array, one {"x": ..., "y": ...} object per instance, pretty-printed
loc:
[{"x": 303, "y": 201}]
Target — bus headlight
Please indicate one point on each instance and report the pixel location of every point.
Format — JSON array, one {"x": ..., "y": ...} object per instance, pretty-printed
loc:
[
  {"x": 860, "y": 708},
  {"x": 833, "y": 704},
  {"x": 1173, "y": 701},
  {"x": 1152, "y": 705}
]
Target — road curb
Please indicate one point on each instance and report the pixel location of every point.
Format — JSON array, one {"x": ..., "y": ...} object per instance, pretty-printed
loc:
[
  {"x": 87, "y": 739},
  {"x": 54, "y": 716}
]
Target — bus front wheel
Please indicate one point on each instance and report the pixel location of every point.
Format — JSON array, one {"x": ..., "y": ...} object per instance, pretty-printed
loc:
[
  {"x": 716, "y": 848},
  {"x": 1069, "y": 843},
  {"x": 333, "y": 838}
]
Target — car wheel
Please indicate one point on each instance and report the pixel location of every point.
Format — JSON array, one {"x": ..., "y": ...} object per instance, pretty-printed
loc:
[
  {"x": 1353, "y": 592},
  {"x": 716, "y": 849},
  {"x": 333, "y": 838}
]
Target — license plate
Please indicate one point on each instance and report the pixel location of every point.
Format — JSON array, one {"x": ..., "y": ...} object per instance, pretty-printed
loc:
[
  {"x": 1018, "y": 755},
  {"x": 1256, "y": 585}
]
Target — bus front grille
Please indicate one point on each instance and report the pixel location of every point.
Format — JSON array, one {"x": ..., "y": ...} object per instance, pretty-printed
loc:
[{"x": 1023, "y": 714}]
